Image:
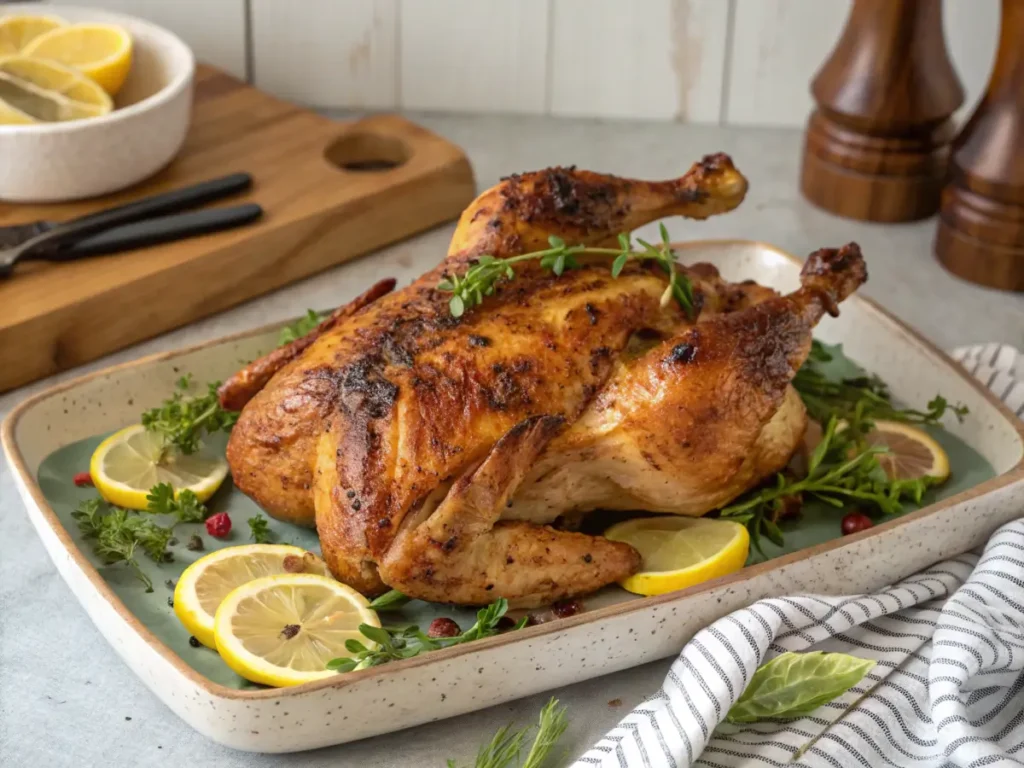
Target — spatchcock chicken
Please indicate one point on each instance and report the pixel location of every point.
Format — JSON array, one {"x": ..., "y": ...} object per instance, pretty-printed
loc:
[{"x": 450, "y": 457}]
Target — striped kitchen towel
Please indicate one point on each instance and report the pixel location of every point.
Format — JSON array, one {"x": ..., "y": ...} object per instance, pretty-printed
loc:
[{"x": 947, "y": 688}]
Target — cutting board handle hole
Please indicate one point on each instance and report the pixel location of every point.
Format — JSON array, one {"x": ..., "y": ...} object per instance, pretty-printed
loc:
[{"x": 361, "y": 152}]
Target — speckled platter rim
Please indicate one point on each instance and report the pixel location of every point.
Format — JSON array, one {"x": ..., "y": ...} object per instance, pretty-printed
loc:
[{"x": 7, "y": 439}]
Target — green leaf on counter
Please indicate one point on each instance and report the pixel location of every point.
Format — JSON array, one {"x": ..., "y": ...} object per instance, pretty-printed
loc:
[{"x": 795, "y": 684}]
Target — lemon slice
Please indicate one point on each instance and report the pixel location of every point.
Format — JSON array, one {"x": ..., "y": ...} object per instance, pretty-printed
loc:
[
  {"x": 913, "y": 453},
  {"x": 679, "y": 552},
  {"x": 18, "y": 31},
  {"x": 26, "y": 103},
  {"x": 282, "y": 630},
  {"x": 57, "y": 78},
  {"x": 130, "y": 462},
  {"x": 101, "y": 51},
  {"x": 206, "y": 582}
]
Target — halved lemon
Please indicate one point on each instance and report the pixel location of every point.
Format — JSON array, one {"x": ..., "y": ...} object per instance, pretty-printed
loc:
[
  {"x": 205, "y": 583},
  {"x": 282, "y": 630},
  {"x": 57, "y": 78},
  {"x": 912, "y": 452},
  {"x": 18, "y": 31},
  {"x": 101, "y": 51},
  {"x": 679, "y": 552},
  {"x": 128, "y": 463}
]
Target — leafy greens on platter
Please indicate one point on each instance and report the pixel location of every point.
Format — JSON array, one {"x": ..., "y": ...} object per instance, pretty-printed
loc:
[
  {"x": 117, "y": 533},
  {"x": 394, "y": 643},
  {"x": 843, "y": 469},
  {"x": 184, "y": 418}
]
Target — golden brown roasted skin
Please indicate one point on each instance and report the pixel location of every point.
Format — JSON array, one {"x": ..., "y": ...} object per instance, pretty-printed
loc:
[{"x": 414, "y": 437}]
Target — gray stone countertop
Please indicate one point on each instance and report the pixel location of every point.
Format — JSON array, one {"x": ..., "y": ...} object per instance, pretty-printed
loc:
[{"x": 67, "y": 699}]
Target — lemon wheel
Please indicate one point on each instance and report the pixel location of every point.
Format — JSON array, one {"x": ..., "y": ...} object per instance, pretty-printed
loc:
[
  {"x": 204, "y": 584},
  {"x": 282, "y": 630},
  {"x": 912, "y": 452},
  {"x": 679, "y": 552},
  {"x": 57, "y": 78},
  {"x": 129, "y": 463}
]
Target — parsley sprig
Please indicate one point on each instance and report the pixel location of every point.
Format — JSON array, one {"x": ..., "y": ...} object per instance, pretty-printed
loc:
[
  {"x": 259, "y": 529},
  {"x": 481, "y": 279},
  {"x": 507, "y": 744},
  {"x": 118, "y": 533},
  {"x": 394, "y": 643},
  {"x": 186, "y": 508},
  {"x": 183, "y": 418}
]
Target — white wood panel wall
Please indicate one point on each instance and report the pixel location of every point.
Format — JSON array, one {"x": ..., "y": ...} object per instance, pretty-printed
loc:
[{"x": 744, "y": 62}]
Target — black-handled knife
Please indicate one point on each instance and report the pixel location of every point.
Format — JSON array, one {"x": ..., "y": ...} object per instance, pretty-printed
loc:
[{"x": 161, "y": 229}]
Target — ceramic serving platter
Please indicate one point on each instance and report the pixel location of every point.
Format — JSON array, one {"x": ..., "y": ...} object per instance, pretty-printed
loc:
[{"x": 44, "y": 443}]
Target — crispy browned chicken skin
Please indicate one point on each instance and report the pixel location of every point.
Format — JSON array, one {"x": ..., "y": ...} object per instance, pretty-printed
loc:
[{"x": 434, "y": 452}]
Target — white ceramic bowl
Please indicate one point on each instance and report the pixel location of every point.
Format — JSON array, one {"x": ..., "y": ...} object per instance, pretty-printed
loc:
[{"x": 84, "y": 158}]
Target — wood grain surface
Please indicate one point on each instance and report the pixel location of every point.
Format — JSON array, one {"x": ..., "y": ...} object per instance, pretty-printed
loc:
[
  {"x": 877, "y": 146},
  {"x": 981, "y": 222},
  {"x": 318, "y": 213}
]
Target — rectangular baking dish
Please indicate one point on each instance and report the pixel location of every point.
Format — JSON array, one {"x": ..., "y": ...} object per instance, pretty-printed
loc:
[{"x": 612, "y": 635}]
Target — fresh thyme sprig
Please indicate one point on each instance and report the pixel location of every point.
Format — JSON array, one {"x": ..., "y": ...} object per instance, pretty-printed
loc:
[
  {"x": 507, "y": 744},
  {"x": 840, "y": 471},
  {"x": 480, "y": 280},
  {"x": 183, "y": 419},
  {"x": 300, "y": 327},
  {"x": 394, "y": 643}
]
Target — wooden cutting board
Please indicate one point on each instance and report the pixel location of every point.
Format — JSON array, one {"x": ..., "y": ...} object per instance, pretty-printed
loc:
[{"x": 330, "y": 191}]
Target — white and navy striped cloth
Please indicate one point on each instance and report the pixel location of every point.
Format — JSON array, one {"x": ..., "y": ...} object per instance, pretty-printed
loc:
[{"x": 947, "y": 689}]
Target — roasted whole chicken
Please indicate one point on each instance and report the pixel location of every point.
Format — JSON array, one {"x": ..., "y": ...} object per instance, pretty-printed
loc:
[{"x": 450, "y": 457}]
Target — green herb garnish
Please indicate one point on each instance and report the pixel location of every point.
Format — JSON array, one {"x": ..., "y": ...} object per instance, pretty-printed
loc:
[
  {"x": 844, "y": 469},
  {"x": 300, "y": 327},
  {"x": 795, "y": 684},
  {"x": 259, "y": 529},
  {"x": 481, "y": 278},
  {"x": 507, "y": 744},
  {"x": 389, "y": 601},
  {"x": 182, "y": 419},
  {"x": 863, "y": 398},
  {"x": 394, "y": 643},
  {"x": 117, "y": 533},
  {"x": 839, "y": 472},
  {"x": 186, "y": 508}
]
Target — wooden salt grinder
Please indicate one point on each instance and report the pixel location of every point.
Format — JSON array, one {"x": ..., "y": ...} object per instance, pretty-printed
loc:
[
  {"x": 981, "y": 222},
  {"x": 877, "y": 145}
]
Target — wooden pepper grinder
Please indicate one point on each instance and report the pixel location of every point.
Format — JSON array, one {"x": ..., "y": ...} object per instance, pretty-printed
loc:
[
  {"x": 981, "y": 222},
  {"x": 877, "y": 146}
]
